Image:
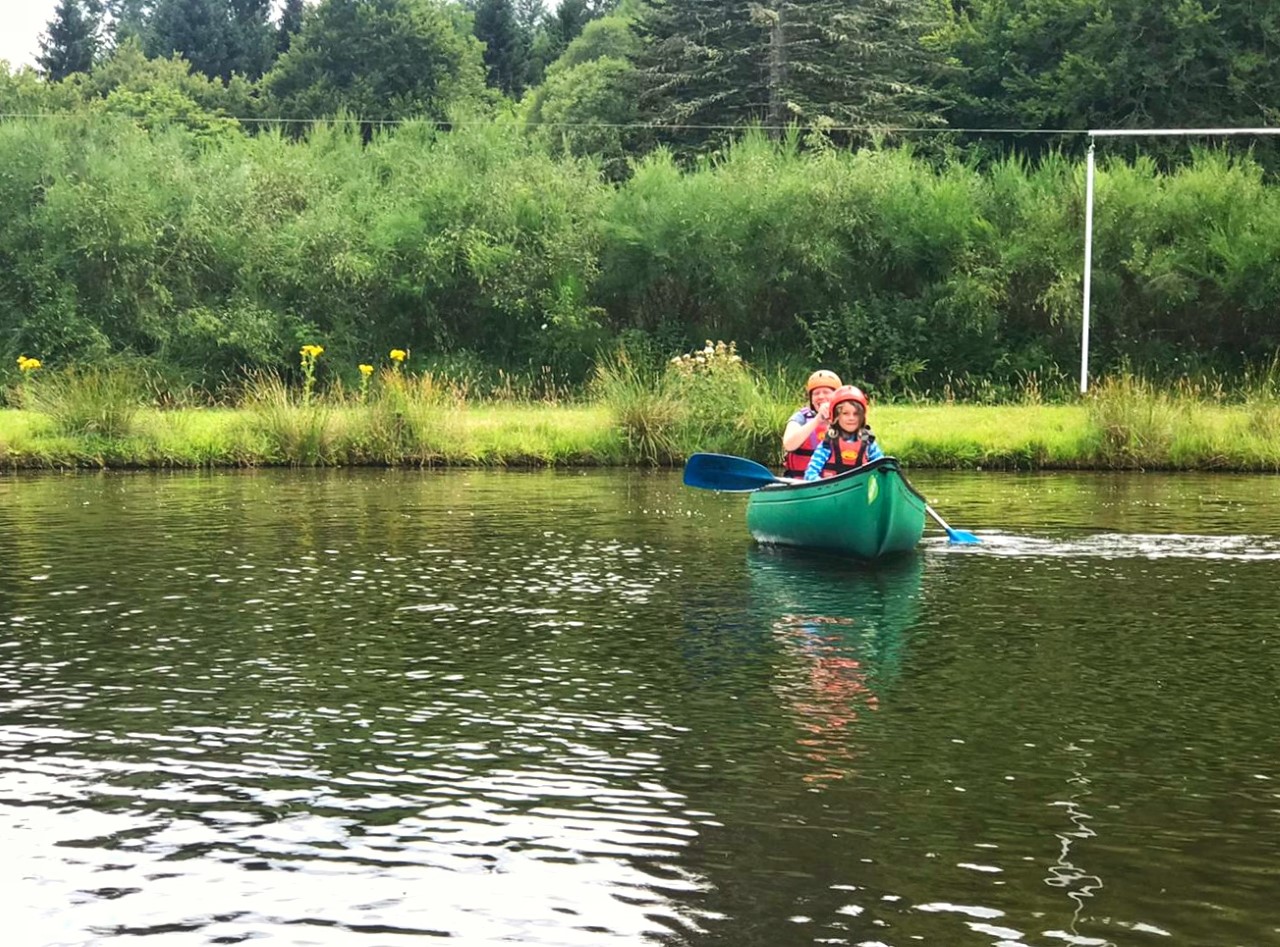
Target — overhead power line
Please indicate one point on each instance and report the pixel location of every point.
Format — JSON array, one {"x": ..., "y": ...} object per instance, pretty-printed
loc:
[{"x": 692, "y": 126}]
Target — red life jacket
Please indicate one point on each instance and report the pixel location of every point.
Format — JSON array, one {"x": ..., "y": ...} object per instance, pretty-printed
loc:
[
  {"x": 796, "y": 461},
  {"x": 845, "y": 455}
]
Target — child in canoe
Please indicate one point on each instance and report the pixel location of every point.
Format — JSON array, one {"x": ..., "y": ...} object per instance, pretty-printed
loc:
[
  {"x": 804, "y": 431},
  {"x": 848, "y": 442}
]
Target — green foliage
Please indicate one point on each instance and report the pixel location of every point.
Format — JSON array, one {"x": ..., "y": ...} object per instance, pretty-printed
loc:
[
  {"x": 405, "y": 419},
  {"x": 224, "y": 254},
  {"x": 378, "y": 60},
  {"x": 291, "y": 432},
  {"x": 708, "y": 400},
  {"x": 1118, "y": 64},
  {"x": 128, "y": 69},
  {"x": 213, "y": 346},
  {"x": 816, "y": 63},
  {"x": 289, "y": 25},
  {"x": 127, "y": 18},
  {"x": 142, "y": 221},
  {"x": 219, "y": 38},
  {"x": 100, "y": 401},
  {"x": 164, "y": 106},
  {"x": 587, "y": 104},
  {"x": 23, "y": 92},
  {"x": 70, "y": 44},
  {"x": 904, "y": 270},
  {"x": 1136, "y": 422},
  {"x": 506, "y": 46},
  {"x": 642, "y": 410}
]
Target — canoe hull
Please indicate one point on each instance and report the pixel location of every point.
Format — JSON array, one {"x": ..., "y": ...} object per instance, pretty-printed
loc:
[{"x": 869, "y": 513}]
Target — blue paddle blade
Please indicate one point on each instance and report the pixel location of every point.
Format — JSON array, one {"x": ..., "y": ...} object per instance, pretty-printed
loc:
[
  {"x": 726, "y": 473},
  {"x": 958, "y": 536}
]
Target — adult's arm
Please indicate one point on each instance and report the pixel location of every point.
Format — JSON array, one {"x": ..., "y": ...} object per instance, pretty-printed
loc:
[{"x": 796, "y": 433}]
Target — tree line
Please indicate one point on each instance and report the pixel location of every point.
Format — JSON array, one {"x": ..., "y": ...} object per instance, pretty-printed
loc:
[{"x": 690, "y": 73}]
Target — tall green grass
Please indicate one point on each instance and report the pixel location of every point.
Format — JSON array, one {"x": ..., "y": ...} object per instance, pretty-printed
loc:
[
  {"x": 708, "y": 400},
  {"x": 705, "y": 400},
  {"x": 292, "y": 429},
  {"x": 100, "y": 402}
]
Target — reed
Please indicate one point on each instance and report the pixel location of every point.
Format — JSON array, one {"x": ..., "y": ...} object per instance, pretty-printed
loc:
[
  {"x": 94, "y": 401},
  {"x": 291, "y": 431},
  {"x": 644, "y": 409}
]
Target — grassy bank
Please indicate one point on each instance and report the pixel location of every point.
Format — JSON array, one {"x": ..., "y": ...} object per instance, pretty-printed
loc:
[
  {"x": 1157, "y": 433},
  {"x": 708, "y": 400}
]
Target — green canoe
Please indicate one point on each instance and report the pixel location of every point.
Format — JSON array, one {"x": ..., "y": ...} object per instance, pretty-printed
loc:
[{"x": 870, "y": 513}]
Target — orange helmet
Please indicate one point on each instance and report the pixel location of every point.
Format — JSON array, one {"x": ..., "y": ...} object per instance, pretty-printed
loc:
[
  {"x": 847, "y": 393},
  {"x": 822, "y": 379}
]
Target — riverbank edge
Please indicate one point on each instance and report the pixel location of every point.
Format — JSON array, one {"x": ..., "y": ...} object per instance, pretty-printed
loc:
[{"x": 938, "y": 436}]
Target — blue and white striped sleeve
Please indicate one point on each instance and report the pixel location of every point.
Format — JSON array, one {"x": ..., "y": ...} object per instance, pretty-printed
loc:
[
  {"x": 874, "y": 452},
  {"x": 818, "y": 460}
]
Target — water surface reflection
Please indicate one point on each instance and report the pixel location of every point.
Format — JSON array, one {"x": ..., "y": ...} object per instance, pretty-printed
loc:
[{"x": 562, "y": 708}]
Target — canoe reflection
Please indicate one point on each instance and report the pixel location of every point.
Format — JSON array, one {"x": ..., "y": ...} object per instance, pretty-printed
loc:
[{"x": 844, "y": 627}]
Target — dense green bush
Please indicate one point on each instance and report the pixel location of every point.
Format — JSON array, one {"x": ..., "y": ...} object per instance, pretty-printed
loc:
[{"x": 199, "y": 247}]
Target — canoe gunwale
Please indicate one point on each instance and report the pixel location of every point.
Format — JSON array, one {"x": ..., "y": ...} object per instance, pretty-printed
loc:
[
  {"x": 836, "y": 514},
  {"x": 884, "y": 463}
]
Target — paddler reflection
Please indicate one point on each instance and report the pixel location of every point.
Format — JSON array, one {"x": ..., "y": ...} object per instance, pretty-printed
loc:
[{"x": 845, "y": 626}]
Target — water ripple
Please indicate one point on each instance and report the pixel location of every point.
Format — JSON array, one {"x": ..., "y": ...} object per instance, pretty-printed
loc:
[{"x": 579, "y": 708}]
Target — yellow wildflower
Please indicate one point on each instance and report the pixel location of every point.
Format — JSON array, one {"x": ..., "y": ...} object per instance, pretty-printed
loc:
[
  {"x": 311, "y": 351},
  {"x": 366, "y": 370},
  {"x": 399, "y": 355},
  {"x": 28, "y": 364}
]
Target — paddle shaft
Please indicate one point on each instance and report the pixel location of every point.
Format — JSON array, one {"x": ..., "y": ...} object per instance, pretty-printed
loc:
[{"x": 955, "y": 535}]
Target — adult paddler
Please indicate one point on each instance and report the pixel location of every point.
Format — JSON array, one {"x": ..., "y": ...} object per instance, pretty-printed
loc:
[{"x": 804, "y": 431}]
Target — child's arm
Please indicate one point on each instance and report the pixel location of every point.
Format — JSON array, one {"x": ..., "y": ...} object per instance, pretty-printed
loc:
[{"x": 818, "y": 461}]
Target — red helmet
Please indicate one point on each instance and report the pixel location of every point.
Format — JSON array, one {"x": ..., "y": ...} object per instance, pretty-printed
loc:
[
  {"x": 847, "y": 393},
  {"x": 822, "y": 379}
]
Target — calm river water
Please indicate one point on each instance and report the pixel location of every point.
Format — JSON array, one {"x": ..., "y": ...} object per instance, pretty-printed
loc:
[{"x": 375, "y": 708}]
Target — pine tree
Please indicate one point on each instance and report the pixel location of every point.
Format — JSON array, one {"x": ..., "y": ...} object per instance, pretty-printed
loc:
[
  {"x": 218, "y": 37},
  {"x": 378, "y": 60},
  {"x": 290, "y": 24},
  {"x": 816, "y": 63},
  {"x": 506, "y": 48},
  {"x": 252, "y": 37},
  {"x": 199, "y": 30},
  {"x": 568, "y": 21},
  {"x": 128, "y": 18},
  {"x": 71, "y": 41}
]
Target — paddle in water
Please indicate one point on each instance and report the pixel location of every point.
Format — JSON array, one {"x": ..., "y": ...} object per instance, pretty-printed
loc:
[{"x": 955, "y": 535}]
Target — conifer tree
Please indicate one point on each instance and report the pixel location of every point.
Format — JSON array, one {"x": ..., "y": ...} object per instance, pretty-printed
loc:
[
  {"x": 290, "y": 24},
  {"x": 253, "y": 38},
  {"x": 379, "y": 60},
  {"x": 199, "y": 30},
  {"x": 816, "y": 63},
  {"x": 127, "y": 18},
  {"x": 506, "y": 48},
  {"x": 218, "y": 37},
  {"x": 70, "y": 43}
]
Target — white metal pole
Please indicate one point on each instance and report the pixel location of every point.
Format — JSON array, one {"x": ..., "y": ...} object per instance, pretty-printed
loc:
[{"x": 1088, "y": 270}]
